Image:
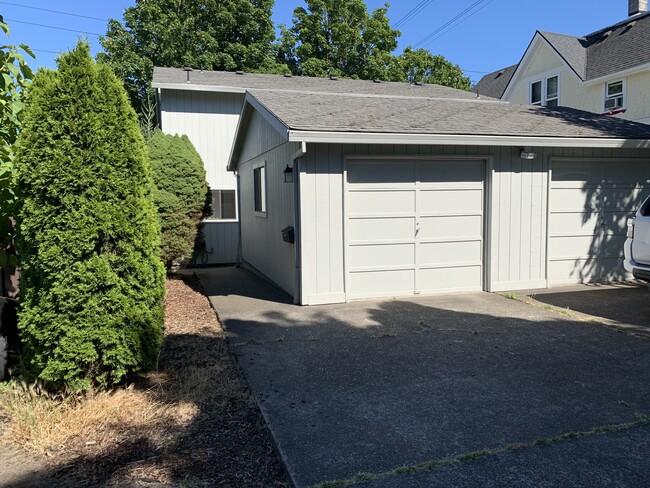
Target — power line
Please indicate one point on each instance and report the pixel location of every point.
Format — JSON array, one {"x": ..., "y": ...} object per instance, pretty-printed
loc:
[
  {"x": 412, "y": 13},
  {"x": 46, "y": 51},
  {"x": 460, "y": 21},
  {"x": 448, "y": 23},
  {"x": 54, "y": 11},
  {"x": 54, "y": 27}
]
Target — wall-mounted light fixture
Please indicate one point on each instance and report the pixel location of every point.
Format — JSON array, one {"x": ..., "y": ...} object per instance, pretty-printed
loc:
[
  {"x": 527, "y": 153},
  {"x": 288, "y": 174}
]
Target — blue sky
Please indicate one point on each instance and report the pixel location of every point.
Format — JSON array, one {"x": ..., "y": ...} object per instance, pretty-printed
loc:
[{"x": 495, "y": 35}]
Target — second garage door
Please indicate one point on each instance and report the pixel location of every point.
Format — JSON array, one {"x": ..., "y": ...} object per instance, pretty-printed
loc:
[
  {"x": 414, "y": 227},
  {"x": 589, "y": 204}
]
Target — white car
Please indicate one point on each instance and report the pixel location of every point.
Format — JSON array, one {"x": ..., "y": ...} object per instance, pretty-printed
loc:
[{"x": 637, "y": 244}]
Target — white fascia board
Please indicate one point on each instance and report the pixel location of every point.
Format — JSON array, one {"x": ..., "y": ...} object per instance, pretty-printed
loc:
[
  {"x": 251, "y": 103},
  {"x": 462, "y": 140},
  {"x": 618, "y": 74},
  {"x": 194, "y": 87}
]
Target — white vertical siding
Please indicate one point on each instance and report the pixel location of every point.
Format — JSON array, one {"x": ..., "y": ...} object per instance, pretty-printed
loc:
[
  {"x": 210, "y": 121},
  {"x": 262, "y": 244}
]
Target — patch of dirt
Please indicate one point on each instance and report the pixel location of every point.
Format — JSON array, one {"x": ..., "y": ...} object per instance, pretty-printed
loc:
[{"x": 192, "y": 423}]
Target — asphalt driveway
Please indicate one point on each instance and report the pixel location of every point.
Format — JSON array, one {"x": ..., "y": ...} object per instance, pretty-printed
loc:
[{"x": 450, "y": 390}]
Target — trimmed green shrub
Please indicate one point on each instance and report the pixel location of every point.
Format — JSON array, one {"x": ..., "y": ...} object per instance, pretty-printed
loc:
[
  {"x": 180, "y": 194},
  {"x": 88, "y": 239}
]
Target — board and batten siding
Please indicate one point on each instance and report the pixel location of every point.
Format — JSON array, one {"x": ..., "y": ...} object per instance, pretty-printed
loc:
[
  {"x": 210, "y": 121},
  {"x": 262, "y": 245},
  {"x": 516, "y": 211}
]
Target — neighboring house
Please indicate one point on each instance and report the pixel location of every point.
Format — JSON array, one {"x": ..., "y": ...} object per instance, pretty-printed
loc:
[
  {"x": 605, "y": 72},
  {"x": 400, "y": 190}
]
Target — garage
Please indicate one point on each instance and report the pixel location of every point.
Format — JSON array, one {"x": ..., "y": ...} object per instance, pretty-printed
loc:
[
  {"x": 414, "y": 226},
  {"x": 589, "y": 204}
]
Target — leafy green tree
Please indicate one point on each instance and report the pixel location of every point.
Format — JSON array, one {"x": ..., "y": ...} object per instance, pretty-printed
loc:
[
  {"x": 338, "y": 37},
  {"x": 180, "y": 195},
  {"x": 14, "y": 80},
  {"x": 420, "y": 66},
  {"x": 92, "y": 283},
  {"x": 210, "y": 34}
]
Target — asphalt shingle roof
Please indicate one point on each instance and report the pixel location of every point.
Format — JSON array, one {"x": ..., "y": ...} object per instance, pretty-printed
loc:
[
  {"x": 175, "y": 76},
  {"x": 494, "y": 84},
  {"x": 412, "y": 115},
  {"x": 615, "y": 48}
]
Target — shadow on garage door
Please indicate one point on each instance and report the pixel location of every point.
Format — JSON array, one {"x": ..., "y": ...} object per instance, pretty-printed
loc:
[{"x": 628, "y": 303}]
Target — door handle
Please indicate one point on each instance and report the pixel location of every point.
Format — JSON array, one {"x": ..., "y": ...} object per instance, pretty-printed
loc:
[{"x": 417, "y": 228}]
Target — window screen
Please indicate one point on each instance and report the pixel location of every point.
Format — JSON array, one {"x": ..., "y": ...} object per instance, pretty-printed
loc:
[{"x": 224, "y": 205}]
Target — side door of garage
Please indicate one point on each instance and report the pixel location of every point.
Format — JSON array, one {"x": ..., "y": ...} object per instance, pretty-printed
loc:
[
  {"x": 589, "y": 204},
  {"x": 413, "y": 227}
]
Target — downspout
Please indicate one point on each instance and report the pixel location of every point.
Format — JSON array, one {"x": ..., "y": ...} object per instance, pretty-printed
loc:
[
  {"x": 238, "y": 257},
  {"x": 297, "y": 294}
]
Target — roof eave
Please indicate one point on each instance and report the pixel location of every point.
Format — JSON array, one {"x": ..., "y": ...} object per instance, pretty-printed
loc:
[
  {"x": 195, "y": 87},
  {"x": 310, "y": 136}
]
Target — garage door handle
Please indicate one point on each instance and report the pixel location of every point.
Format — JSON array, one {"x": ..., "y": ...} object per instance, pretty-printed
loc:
[{"x": 417, "y": 228}]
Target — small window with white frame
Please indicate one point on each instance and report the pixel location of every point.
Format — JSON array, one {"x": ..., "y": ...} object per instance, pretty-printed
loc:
[
  {"x": 545, "y": 92},
  {"x": 259, "y": 188},
  {"x": 615, "y": 96},
  {"x": 224, "y": 205}
]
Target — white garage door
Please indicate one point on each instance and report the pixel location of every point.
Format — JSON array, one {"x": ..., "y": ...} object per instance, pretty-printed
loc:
[
  {"x": 589, "y": 205},
  {"x": 414, "y": 227}
]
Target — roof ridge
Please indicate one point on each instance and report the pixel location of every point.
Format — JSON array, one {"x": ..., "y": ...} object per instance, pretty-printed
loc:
[
  {"x": 632, "y": 18},
  {"x": 372, "y": 95}
]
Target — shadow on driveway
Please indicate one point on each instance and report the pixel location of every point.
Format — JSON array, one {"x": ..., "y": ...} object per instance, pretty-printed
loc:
[{"x": 355, "y": 391}]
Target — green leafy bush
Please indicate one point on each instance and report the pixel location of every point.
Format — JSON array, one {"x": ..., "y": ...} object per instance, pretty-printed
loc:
[
  {"x": 92, "y": 283},
  {"x": 180, "y": 194}
]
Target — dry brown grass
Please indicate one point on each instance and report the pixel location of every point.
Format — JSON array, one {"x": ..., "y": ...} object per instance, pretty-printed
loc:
[{"x": 186, "y": 418}]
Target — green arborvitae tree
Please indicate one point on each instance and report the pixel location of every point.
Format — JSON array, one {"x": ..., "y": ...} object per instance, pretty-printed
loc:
[
  {"x": 180, "y": 194},
  {"x": 208, "y": 34},
  {"x": 93, "y": 282},
  {"x": 14, "y": 80},
  {"x": 338, "y": 37}
]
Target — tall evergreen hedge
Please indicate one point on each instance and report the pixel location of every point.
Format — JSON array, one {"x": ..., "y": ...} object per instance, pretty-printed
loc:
[
  {"x": 180, "y": 193},
  {"x": 92, "y": 283}
]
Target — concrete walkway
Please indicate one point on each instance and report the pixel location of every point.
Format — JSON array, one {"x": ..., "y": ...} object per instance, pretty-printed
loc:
[{"x": 450, "y": 390}]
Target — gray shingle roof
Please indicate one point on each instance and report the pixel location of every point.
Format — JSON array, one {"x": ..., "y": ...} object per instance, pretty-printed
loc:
[
  {"x": 494, "y": 84},
  {"x": 572, "y": 49},
  {"x": 411, "y": 115},
  {"x": 615, "y": 48},
  {"x": 223, "y": 79}
]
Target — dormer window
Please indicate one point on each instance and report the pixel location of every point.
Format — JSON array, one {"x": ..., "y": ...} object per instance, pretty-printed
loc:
[
  {"x": 615, "y": 96},
  {"x": 545, "y": 92}
]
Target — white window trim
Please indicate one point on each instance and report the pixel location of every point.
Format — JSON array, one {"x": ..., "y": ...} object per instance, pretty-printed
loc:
[
  {"x": 543, "y": 78},
  {"x": 605, "y": 96},
  {"x": 264, "y": 202}
]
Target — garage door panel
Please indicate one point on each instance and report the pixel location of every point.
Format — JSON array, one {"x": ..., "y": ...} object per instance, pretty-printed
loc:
[
  {"x": 384, "y": 255},
  {"x": 457, "y": 252},
  {"x": 451, "y": 227},
  {"x": 381, "y": 173},
  {"x": 370, "y": 229},
  {"x": 446, "y": 201},
  {"x": 590, "y": 203},
  {"x": 567, "y": 223},
  {"x": 571, "y": 247},
  {"x": 623, "y": 199},
  {"x": 454, "y": 172},
  {"x": 381, "y": 283},
  {"x": 573, "y": 271},
  {"x": 574, "y": 199},
  {"x": 577, "y": 171},
  {"x": 414, "y": 227},
  {"x": 449, "y": 279},
  {"x": 381, "y": 202}
]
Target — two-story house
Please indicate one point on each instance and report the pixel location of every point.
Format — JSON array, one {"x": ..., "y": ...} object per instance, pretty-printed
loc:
[{"x": 606, "y": 72}]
